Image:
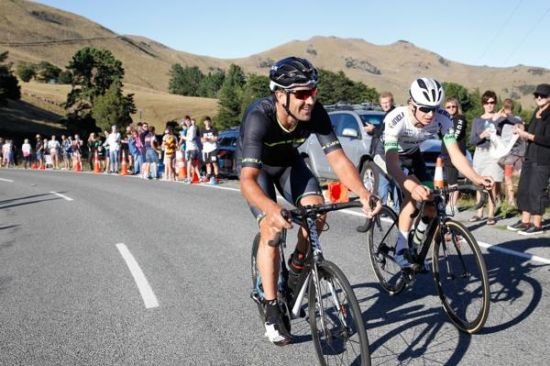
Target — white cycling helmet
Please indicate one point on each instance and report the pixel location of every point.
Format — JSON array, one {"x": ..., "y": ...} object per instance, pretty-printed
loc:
[{"x": 426, "y": 92}]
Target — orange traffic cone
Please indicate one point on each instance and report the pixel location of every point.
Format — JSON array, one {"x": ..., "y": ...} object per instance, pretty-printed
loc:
[
  {"x": 42, "y": 166},
  {"x": 337, "y": 192},
  {"x": 34, "y": 166},
  {"x": 196, "y": 178},
  {"x": 97, "y": 167},
  {"x": 180, "y": 165},
  {"x": 124, "y": 165},
  {"x": 77, "y": 165},
  {"x": 438, "y": 175}
]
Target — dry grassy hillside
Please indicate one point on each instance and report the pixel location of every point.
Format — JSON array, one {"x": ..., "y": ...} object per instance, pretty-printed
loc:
[
  {"x": 33, "y": 32},
  {"x": 154, "y": 106}
]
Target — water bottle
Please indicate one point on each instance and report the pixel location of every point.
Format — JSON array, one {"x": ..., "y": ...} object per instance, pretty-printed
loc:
[{"x": 420, "y": 231}]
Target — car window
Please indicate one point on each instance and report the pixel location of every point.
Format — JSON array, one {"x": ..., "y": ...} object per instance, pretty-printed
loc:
[
  {"x": 335, "y": 119},
  {"x": 373, "y": 119},
  {"x": 347, "y": 121}
]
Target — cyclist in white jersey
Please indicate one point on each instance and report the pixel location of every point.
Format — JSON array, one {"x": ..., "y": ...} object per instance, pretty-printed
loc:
[{"x": 406, "y": 128}]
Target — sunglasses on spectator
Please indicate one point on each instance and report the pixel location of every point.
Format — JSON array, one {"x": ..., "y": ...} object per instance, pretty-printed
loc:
[
  {"x": 427, "y": 109},
  {"x": 450, "y": 106},
  {"x": 489, "y": 102},
  {"x": 542, "y": 96},
  {"x": 304, "y": 94}
]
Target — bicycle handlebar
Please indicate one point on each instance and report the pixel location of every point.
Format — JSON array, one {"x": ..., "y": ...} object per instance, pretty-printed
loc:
[
  {"x": 462, "y": 188},
  {"x": 298, "y": 214}
]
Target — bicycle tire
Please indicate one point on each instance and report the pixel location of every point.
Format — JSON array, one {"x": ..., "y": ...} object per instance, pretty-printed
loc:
[
  {"x": 381, "y": 241},
  {"x": 461, "y": 277},
  {"x": 340, "y": 337}
]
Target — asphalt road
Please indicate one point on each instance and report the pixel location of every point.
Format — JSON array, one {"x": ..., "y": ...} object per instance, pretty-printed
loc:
[{"x": 70, "y": 293}]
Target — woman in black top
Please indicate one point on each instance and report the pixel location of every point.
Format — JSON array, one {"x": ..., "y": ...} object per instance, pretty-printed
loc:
[
  {"x": 452, "y": 106},
  {"x": 533, "y": 181}
]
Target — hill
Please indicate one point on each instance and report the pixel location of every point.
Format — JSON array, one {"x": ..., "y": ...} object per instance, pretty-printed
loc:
[{"x": 33, "y": 32}]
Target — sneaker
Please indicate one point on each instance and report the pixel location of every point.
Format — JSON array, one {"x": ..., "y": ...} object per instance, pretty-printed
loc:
[
  {"x": 402, "y": 258},
  {"x": 518, "y": 226},
  {"x": 213, "y": 181},
  {"x": 187, "y": 181},
  {"x": 275, "y": 329},
  {"x": 531, "y": 230},
  {"x": 204, "y": 180}
]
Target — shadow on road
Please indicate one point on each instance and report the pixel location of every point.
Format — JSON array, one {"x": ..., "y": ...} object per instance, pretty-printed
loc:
[
  {"x": 27, "y": 200},
  {"x": 413, "y": 333}
]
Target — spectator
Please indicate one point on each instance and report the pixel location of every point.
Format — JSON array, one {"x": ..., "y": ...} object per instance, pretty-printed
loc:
[
  {"x": 484, "y": 163},
  {"x": 77, "y": 151},
  {"x": 113, "y": 142},
  {"x": 453, "y": 107},
  {"x": 7, "y": 153},
  {"x": 386, "y": 185},
  {"x": 66, "y": 150},
  {"x": 94, "y": 144},
  {"x": 183, "y": 132},
  {"x": 133, "y": 149},
  {"x": 191, "y": 151},
  {"x": 1, "y": 150},
  {"x": 26, "y": 150},
  {"x": 39, "y": 151},
  {"x": 533, "y": 182},
  {"x": 209, "y": 139},
  {"x": 169, "y": 145},
  {"x": 53, "y": 147},
  {"x": 151, "y": 157},
  {"x": 513, "y": 161},
  {"x": 105, "y": 146}
]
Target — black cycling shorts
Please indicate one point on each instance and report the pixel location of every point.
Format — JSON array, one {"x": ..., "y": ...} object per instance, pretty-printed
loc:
[
  {"x": 293, "y": 183},
  {"x": 415, "y": 165}
]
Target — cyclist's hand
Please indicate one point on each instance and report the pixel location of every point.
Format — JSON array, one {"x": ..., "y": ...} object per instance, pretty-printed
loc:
[
  {"x": 371, "y": 205},
  {"x": 276, "y": 220},
  {"x": 485, "y": 182},
  {"x": 420, "y": 193}
]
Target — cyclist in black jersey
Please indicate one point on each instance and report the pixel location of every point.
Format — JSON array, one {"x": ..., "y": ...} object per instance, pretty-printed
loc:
[{"x": 267, "y": 157}]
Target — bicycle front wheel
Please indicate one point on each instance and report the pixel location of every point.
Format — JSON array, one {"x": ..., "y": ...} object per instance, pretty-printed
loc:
[
  {"x": 337, "y": 326},
  {"x": 461, "y": 277},
  {"x": 381, "y": 239}
]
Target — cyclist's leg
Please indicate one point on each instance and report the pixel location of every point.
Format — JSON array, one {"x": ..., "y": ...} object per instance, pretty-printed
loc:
[{"x": 298, "y": 185}]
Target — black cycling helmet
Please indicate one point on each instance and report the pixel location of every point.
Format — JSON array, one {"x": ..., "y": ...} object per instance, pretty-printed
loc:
[{"x": 292, "y": 72}]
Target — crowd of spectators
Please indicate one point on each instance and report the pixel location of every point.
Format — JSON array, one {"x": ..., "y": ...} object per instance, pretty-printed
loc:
[{"x": 153, "y": 156}]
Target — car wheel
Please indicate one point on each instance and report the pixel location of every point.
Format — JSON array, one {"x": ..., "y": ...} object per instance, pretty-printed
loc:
[{"x": 369, "y": 176}]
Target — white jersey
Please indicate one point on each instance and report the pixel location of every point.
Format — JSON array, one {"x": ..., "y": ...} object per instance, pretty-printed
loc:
[{"x": 402, "y": 136}]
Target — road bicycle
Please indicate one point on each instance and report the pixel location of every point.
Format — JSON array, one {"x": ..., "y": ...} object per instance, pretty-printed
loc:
[
  {"x": 334, "y": 315},
  {"x": 456, "y": 262}
]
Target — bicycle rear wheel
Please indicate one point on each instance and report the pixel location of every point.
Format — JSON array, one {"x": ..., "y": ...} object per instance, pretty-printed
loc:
[
  {"x": 461, "y": 277},
  {"x": 381, "y": 240},
  {"x": 335, "y": 319}
]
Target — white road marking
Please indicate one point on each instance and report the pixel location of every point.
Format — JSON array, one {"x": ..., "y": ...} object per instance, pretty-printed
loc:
[
  {"x": 529, "y": 256},
  {"x": 6, "y": 180},
  {"x": 489, "y": 247},
  {"x": 62, "y": 196},
  {"x": 144, "y": 288}
]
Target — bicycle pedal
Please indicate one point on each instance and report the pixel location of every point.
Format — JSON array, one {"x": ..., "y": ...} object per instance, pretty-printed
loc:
[
  {"x": 254, "y": 295},
  {"x": 408, "y": 276}
]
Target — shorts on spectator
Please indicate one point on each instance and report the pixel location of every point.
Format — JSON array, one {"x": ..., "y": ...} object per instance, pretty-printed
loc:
[
  {"x": 512, "y": 163},
  {"x": 151, "y": 156},
  {"x": 191, "y": 155},
  {"x": 168, "y": 159},
  {"x": 211, "y": 157}
]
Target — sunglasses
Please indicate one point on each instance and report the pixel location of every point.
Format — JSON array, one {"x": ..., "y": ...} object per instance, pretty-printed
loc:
[
  {"x": 427, "y": 109},
  {"x": 542, "y": 96},
  {"x": 490, "y": 102},
  {"x": 450, "y": 106},
  {"x": 304, "y": 94}
]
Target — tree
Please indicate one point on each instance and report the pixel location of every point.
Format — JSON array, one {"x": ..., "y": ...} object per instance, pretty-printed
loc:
[
  {"x": 230, "y": 97},
  {"x": 185, "y": 80},
  {"x": 336, "y": 87},
  {"x": 256, "y": 87},
  {"x": 9, "y": 86},
  {"x": 113, "y": 108},
  {"x": 26, "y": 71},
  {"x": 94, "y": 70},
  {"x": 454, "y": 90},
  {"x": 46, "y": 72},
  {"x": 211, "y": 84},
  {"x": 65, "y": 77}
]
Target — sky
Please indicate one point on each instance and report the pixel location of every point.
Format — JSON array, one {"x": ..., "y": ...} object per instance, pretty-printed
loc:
[{"x": 482, "y": 32}]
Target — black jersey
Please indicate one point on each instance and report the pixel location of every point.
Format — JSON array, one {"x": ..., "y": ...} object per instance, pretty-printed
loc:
[{"x": 262, "y": 140}]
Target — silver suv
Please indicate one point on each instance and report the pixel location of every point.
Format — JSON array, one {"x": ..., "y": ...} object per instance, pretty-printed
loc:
[{"x": 348, "y": 122}]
